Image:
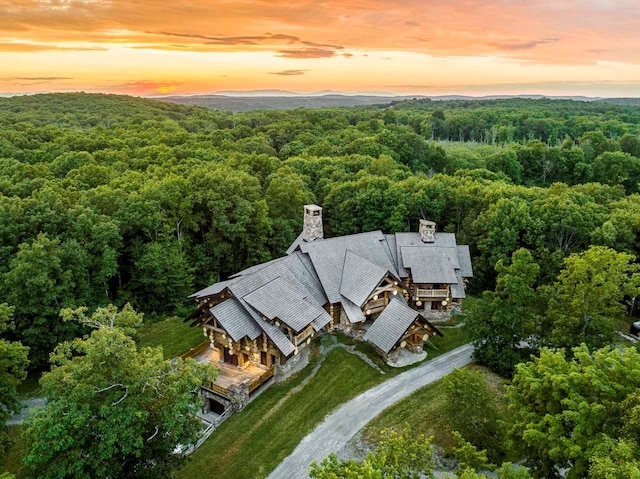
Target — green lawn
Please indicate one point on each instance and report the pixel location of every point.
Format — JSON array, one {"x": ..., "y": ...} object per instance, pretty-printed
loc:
[
  {"x": 250, "y": 444},
  {"x": 452, "y": 338},
  {"x": 175, "y": 336},
  {"x": 424, "y": 412}
]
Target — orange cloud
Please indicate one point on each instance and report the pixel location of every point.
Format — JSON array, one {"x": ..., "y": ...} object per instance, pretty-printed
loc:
[
  {"x": 288, "y": 73},
  {"x": 306, "y": 53},
  {"x": 142, "y": 87},
  {"x": 536, "y": 30},
  {"x": 483, "y": 42}
]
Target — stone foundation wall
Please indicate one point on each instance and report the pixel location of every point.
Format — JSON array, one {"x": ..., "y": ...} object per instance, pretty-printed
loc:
[
  {"x": 292, "y": 366},
  {"x": 238, "y": 396},
  {"x": 204, "y": 394},
  {"x": 436, "y": 315}
]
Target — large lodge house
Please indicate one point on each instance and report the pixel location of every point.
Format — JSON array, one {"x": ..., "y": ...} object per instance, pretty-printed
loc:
[{"x": 381, "y": 288}]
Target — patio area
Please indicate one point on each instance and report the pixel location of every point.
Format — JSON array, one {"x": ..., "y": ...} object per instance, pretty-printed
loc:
[{"x": 230, "y": 375}]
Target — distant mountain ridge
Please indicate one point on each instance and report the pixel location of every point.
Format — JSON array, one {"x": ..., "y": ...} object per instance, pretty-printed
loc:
[{"x": 285, "y": 100}]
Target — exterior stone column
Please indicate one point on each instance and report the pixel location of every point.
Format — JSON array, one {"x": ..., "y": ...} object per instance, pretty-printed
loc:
[{"x": 239, "y": 396}]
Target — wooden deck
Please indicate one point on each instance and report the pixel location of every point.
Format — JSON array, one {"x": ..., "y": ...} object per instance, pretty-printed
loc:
[{"x": 230, "y": 375}]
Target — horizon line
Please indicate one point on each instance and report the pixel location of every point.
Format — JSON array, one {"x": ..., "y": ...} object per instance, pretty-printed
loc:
[{"x": 268, "y": 93}]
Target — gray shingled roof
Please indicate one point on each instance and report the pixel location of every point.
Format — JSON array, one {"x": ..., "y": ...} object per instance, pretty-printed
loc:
[
  {"x": 306, "y": 261},
  {"x": 447, "y": 240},
  {"x": 321, "y": 321},
  {"x": 431, "y": 265},
  {"x": 354, "y": 312},
  {"x": 235, "y": 320},
  {"x": 213, "y": 289},
  {"x": 344, "y": 270},
  {"x": 392, "y": 248},
  {"x": 278, "y": 300},
  {"x": 255, "y": 268},
  {"x": 391, "y": 325},
  {"x": 297, "y": 242},
  {"x": 328, "y": 258},
  {"x": 280, "y": 339},
  {"x": 457, "y": 290},
  {"x": 298, "y": 265},
  {"x": 359, "y": 278},
  {"x": 291, "y": 269},
  {"x": 464, "y": 258}
]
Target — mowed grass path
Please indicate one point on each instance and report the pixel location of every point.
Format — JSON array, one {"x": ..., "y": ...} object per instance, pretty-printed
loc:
[{"x": 248, "y": 446}]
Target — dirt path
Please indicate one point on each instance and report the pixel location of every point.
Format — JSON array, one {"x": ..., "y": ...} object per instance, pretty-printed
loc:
[{"x": 341, "y": 425}]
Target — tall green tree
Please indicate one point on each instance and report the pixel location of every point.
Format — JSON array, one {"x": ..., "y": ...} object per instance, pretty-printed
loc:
[
  {"x": 578, "y": 414},
  {"x": 503, "y": 326},
  {"x": 503, "y": 227},
  {"x": 44, "y": 276},
  {"x": 163, "y": 277},
  {"x": 397, "y": 456},
  {"x": 630, "y": 144},
  {"x": 113, "y": 411},
  {"x": 471, "y": 408},
  {"x": 617, "y": 168},
  {"x": 472, "y": 463},
  {"x": 589, "y": 294}
]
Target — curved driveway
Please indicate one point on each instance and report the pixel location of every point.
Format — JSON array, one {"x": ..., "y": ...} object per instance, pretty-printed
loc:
[{"x": 345, "y": 422}]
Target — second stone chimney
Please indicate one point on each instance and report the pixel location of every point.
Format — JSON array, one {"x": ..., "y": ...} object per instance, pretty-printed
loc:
[
  {"x": 312, "y": 229},
  {"x": 427, "y": 231}
]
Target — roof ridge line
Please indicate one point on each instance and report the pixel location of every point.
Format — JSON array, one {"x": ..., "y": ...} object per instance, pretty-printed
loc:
[
  {"x": 348, "y": 250},
  {"x": 344, "y": 260}
]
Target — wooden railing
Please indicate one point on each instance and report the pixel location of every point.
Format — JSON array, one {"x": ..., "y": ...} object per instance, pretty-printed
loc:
[
  {"x": 195, "y": 351},
  {"x": 219, "y": 389},
  {"x": 256, "y": 383},
  {"x": 431, "y": 293}
]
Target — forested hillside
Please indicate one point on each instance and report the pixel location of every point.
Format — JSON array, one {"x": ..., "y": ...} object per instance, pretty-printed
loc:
[{"x": 109, "y": 199}]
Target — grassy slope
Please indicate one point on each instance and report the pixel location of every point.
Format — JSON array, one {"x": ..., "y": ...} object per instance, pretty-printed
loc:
[
  {"x": 248, "y": 445},
  {"x": 175, "y": 336},
  {"x": 424, "y": 412}
]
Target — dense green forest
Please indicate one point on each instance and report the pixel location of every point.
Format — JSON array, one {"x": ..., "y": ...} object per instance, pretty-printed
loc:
[
  {"x": 111, "y": 199},
  {"x": 108, "y": 200}
]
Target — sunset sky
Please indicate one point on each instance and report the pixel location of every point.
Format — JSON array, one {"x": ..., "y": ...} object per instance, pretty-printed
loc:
[{"x": 138, "y": 47}]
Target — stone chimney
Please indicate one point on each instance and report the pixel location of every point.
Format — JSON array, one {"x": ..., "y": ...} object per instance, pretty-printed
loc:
[
  {"x": 427, "y": 231},
  {"x": 312, "y": 229}
]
